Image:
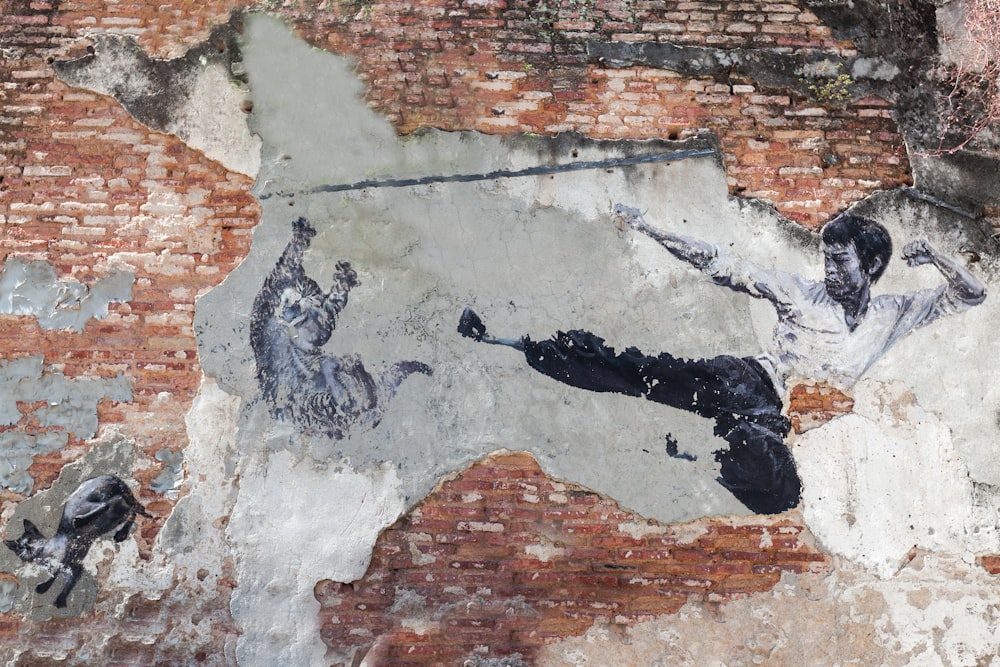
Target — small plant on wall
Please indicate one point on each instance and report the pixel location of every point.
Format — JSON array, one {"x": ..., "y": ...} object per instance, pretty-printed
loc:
[
  {"x": 544, "y": 15},
  {"x": 828, "y": 85},
  {"x": 969, "y": 99}
]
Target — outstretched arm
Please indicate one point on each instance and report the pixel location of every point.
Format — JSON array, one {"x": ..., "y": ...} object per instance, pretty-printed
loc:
[
  {"x": 343, "y": 280},
  {"x": 693, "y": 251},
  {"x": 287, "y": 272},
  {"x": 961, "y": 282}
]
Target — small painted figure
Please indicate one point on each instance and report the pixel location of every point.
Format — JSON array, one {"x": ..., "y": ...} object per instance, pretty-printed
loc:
[
  {"x": 99, "y": 505},
  {"x": 831, "y": 331},
  {"x": 292, "y": 319}
]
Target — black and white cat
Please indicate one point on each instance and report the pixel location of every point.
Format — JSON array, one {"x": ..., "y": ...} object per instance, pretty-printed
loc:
[
  {"x": 99, "y": 505},
  {"x": 291, "y": 321}
]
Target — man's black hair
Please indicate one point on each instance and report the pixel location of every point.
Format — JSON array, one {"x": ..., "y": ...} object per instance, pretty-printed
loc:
[{"x": 870, "y": 239}]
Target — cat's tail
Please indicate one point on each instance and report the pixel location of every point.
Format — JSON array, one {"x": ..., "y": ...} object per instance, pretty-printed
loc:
[{"x": 390, "y": 379}]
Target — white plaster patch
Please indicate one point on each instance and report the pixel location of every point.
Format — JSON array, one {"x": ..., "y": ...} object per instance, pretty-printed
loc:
[
  {"x": 544, "y": 551},
  {"x": 886, "y": 479},
  {"x": 297, "y": 522},
  {"x": 193, "y": 538},
  {"x": 638, "y": 530},
  {"x": 213, "y": 122},
  {"x": 938, "y": 611},
  {"x": 175, "y": 221}
]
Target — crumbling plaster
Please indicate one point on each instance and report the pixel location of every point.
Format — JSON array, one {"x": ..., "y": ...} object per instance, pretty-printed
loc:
[
  {"x": 200, "y": 97},
  {"x": 535, "y": 255},
  {"x": 69, "y": 408},
  {"x": 937, "y": 611},
  {"x": 33, "y": 288}
]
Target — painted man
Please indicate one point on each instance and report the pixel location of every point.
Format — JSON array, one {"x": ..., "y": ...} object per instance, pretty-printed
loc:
[{"x": 831, "y": 331}]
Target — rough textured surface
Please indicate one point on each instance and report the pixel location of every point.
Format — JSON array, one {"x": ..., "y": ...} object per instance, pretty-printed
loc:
[
  {"x": 200, "y": 97},
  {"x": 936, "y": 611},
  {"x": 502, "y": 559},
  {"x": 125, "y": 185}
]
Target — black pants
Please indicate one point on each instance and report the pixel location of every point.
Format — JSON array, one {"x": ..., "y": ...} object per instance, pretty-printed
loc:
[{"x": 736, "y": 392}]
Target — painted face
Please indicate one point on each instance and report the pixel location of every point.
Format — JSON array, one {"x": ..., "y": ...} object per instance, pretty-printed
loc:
[
  {"x": 843, "y": 274},
  {"x": 305, "y": 314}
]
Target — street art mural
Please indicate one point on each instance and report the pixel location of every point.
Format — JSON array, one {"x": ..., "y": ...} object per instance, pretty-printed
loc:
[
  {"x": 99, "y": 505},
  {"x": 517, "y": 228},
  {"x": 292, "y": 320},
  {"x": 831, "y": 331}
]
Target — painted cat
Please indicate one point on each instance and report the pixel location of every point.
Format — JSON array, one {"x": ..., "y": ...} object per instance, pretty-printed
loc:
[
  {"x": 291, "y": 322},
  {"x": 98, "y": 505}
]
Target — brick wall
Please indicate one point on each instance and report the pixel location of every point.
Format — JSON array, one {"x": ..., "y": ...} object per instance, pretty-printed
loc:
[
  {"x": 504, "y": 67},
  {"x": 89, "y": 190},
  {"x": 86, "y": 188},
  {"x": 504, "y": 557},
  {"x": 83, "y": 186}
]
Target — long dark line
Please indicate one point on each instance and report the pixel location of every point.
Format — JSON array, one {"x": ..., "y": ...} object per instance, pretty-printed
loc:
[
  {"x": 923, "y": 196},
  {"x": 501, "y": 173}
]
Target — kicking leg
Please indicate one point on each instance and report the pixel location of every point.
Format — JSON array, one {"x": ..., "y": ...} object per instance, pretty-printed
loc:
[
  {"x": 757, "y": 467},
  {"x": 471, "y": 326}
]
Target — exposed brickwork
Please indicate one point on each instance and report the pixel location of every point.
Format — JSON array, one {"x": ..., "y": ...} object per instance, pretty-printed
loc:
[
  {"x": 499, "y": 67},
  {"x": 991, "y": 564},
  {"x": 814, "y": 404},
  {"x": 503, "y": 556},
  {"x": 88, "y": 189}
]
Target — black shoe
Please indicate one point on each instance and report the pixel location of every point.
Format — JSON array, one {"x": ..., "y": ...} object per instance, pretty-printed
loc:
[{"x": 470, "y": 326}]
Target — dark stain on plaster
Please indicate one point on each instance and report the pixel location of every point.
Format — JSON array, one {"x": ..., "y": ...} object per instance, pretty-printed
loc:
[
  {"x": 901, "y": 30},
  {"x": 766, "y": 69},
  {"x": 551, "y": 149},
  {"x": 152, "y": 90}
]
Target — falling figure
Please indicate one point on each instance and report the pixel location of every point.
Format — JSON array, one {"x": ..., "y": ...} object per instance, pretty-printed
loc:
[
  {"x": 99, "y": 505},
  {"x": 292, "y": 320}
]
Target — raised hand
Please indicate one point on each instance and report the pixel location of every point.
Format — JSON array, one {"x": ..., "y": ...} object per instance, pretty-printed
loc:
[{"x": 918, "y": 252}]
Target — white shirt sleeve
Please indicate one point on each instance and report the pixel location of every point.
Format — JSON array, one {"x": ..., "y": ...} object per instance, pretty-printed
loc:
[
  {"x": 784, "y": 290},
  {"x": 923, "y": 307}
]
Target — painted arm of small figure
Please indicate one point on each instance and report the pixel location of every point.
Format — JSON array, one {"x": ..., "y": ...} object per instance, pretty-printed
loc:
[
  {"x": 343, "y": 280},
  {"x": 287, "y": 273},
  {"x": 693, "y": 251},
  {"x": 961, "y": 283},
  {"x": 289, "y": 265}
]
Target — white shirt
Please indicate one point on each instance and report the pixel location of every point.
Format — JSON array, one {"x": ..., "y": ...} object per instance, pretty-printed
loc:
[{"x": 812, "y": 339}]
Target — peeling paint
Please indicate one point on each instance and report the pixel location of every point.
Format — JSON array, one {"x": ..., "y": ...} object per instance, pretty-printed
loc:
[
  {"x": 32, "y": 288},
  {"x": 197, "y": 97},
  {"x": 887, "y": 479},
  {"x": 69, "y": 408},
  {"x": 937, "y": 611}
]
